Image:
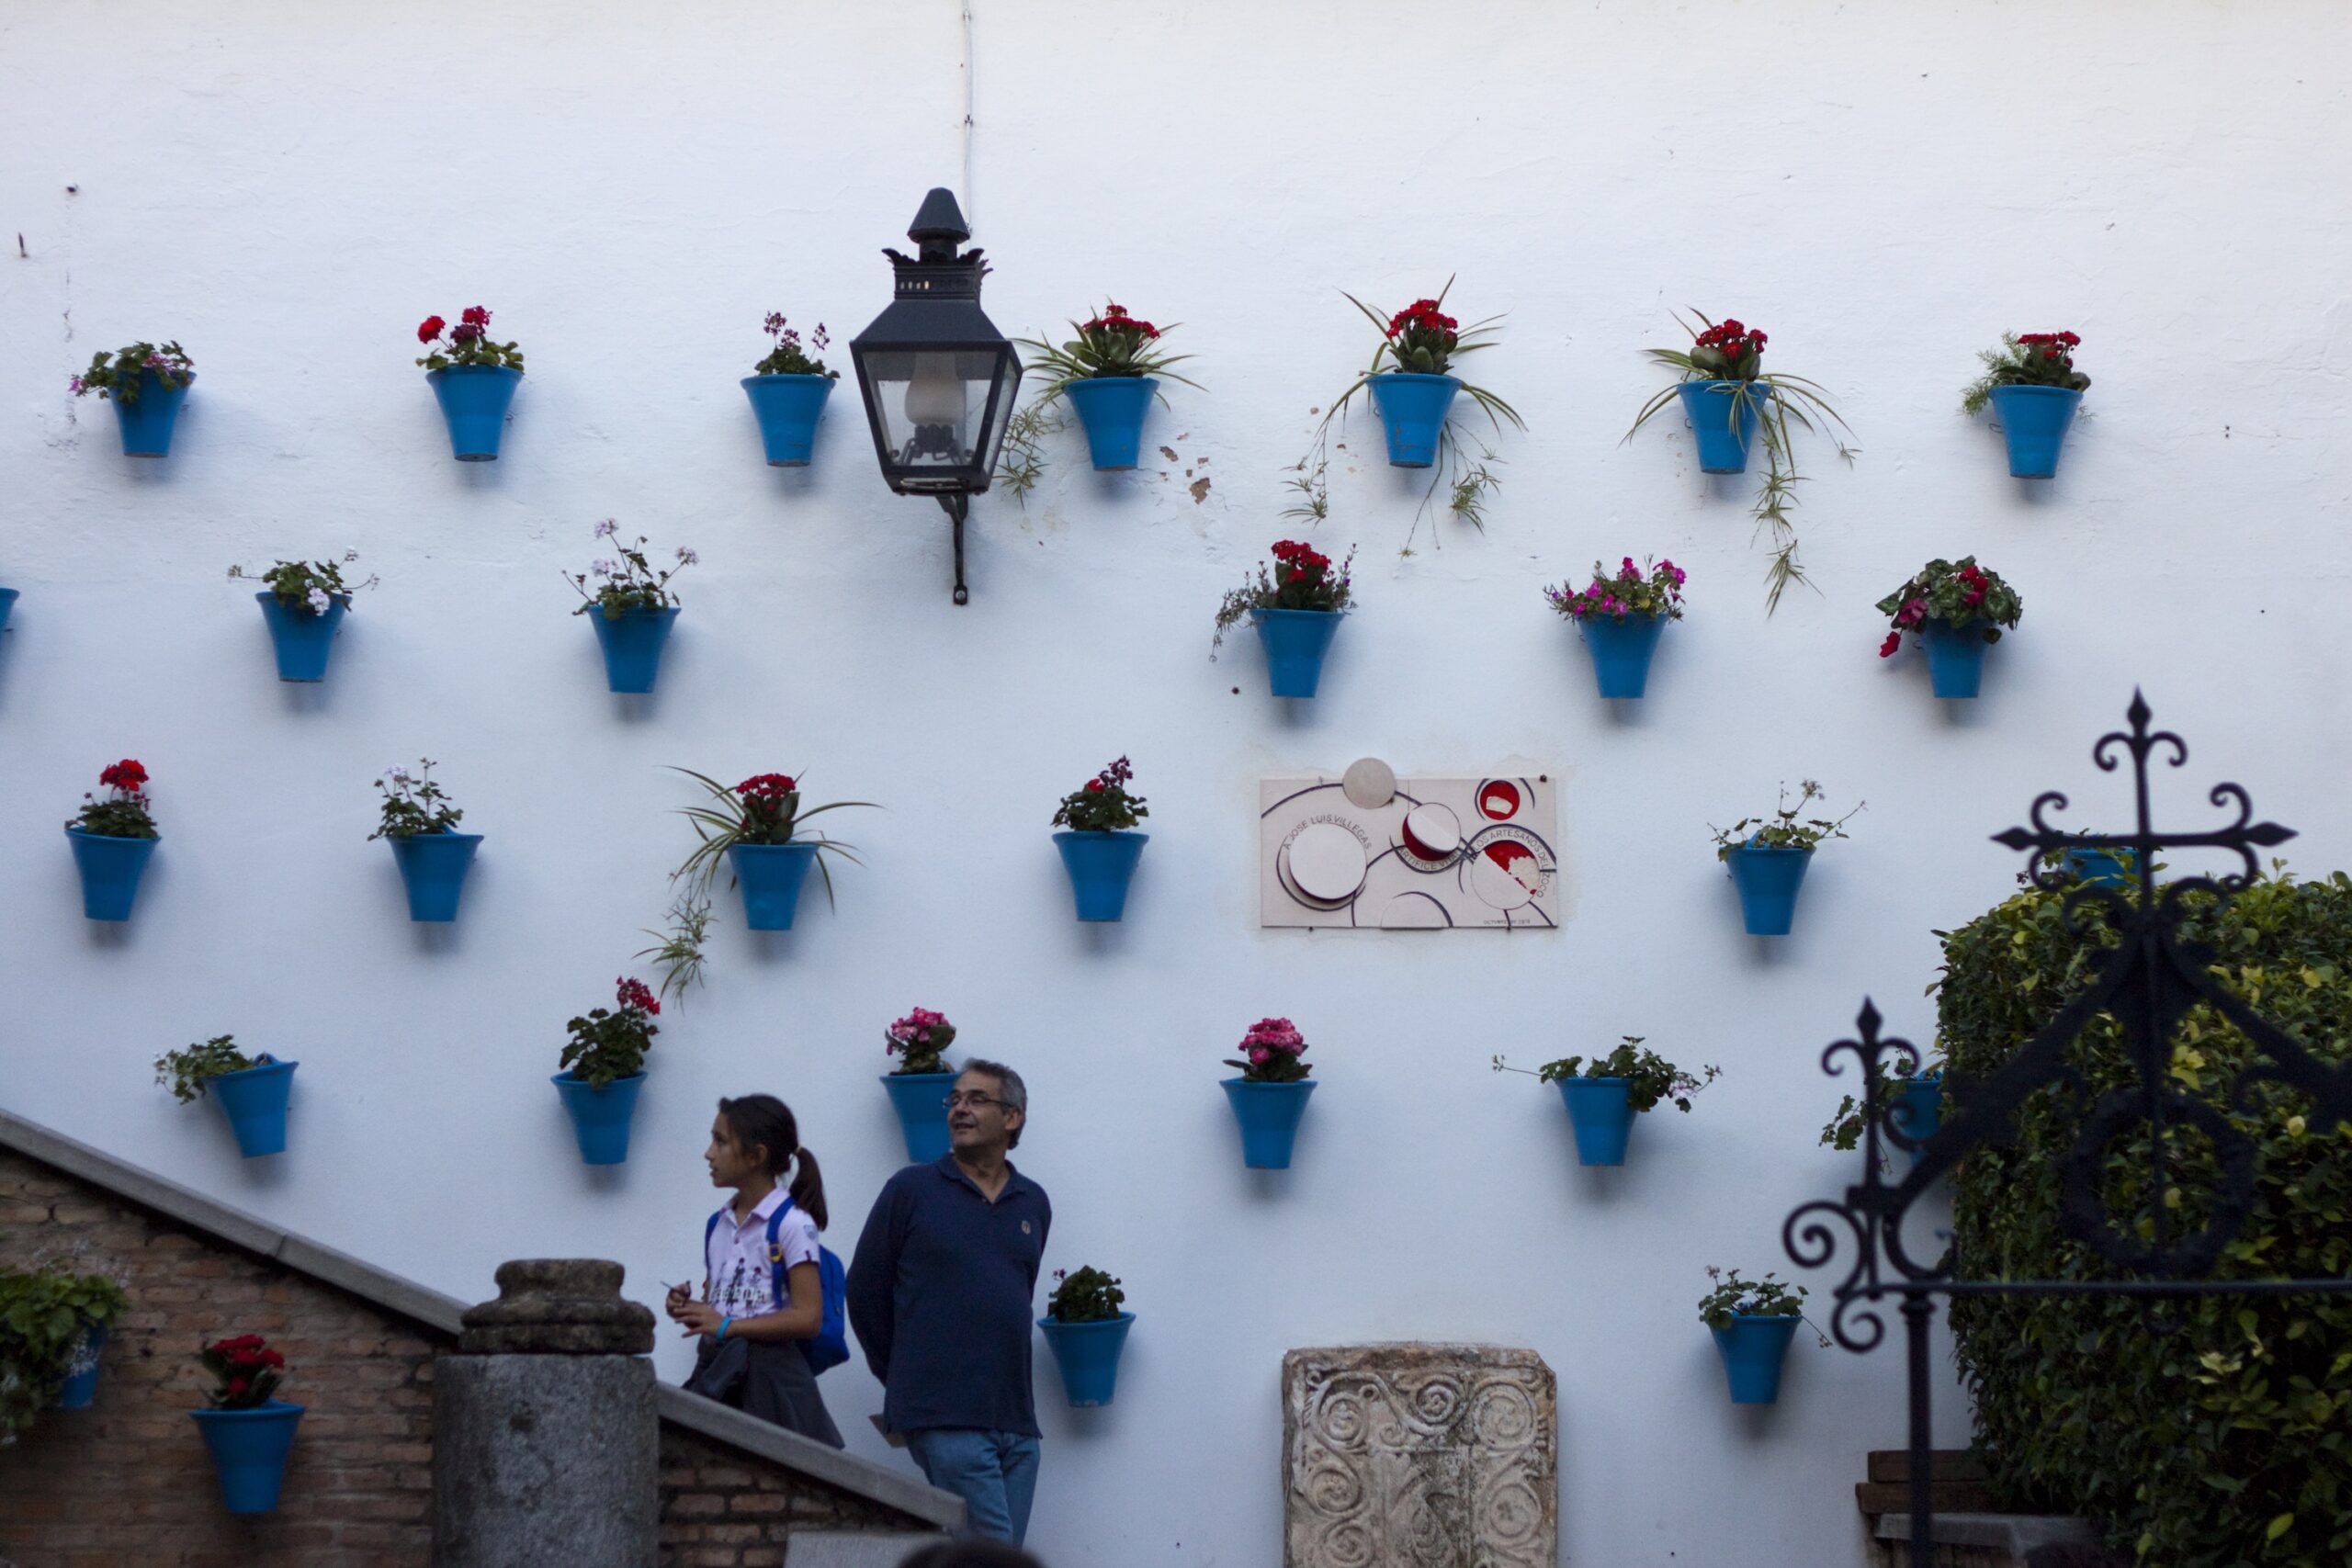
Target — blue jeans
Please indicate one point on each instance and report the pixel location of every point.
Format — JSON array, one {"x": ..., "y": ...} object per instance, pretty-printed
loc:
[{"x": 994, "y": 1473}]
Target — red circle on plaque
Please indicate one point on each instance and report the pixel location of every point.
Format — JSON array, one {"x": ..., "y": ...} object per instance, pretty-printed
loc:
[{"x": 1499, "y": 800}]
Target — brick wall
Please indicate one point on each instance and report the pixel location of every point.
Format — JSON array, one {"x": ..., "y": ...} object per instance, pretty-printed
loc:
[{"x": 128, "y": 1481}]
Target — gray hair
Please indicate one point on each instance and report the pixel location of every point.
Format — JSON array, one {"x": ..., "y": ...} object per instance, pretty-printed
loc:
[{"x": 1009, "y": 1087}]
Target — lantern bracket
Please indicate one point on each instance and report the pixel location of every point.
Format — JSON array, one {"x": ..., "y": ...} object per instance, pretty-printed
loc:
[{"x": 957, "y": 505}]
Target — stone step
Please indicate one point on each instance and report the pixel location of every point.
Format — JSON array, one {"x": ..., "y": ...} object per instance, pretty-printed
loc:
[
  {"x": 1948, "y": 1497},
  {"x": 853, "y": 1549},
  {"x": 1943, "y": 1465}
]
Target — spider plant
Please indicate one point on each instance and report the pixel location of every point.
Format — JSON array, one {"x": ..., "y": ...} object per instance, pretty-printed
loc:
[
  {"x": 1112, "y": 343},
  {"x": 1732, "y": 353},
  {"x": 762, "y": 809}
]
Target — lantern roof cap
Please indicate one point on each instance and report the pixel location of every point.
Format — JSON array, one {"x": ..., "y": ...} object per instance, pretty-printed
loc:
[{"x": 939, "y": 220}]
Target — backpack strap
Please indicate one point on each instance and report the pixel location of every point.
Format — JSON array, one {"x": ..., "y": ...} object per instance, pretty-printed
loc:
[
  {"x": 776, "y": 1254},
  {"x": 710, "y": 1227}
]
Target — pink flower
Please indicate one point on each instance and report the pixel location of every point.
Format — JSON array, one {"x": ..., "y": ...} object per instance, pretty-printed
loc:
[{"x": 1893, "y": 640}]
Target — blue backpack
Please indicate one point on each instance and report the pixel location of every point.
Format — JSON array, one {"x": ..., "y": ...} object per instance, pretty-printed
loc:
[{"x": 829, "y": 1346}]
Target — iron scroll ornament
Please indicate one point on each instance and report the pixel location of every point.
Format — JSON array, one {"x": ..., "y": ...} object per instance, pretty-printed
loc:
[{"x": 2150, "y": 981}]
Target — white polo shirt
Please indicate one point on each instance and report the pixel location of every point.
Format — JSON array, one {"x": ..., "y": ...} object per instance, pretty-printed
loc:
[{"x": 738, "y": 1273}]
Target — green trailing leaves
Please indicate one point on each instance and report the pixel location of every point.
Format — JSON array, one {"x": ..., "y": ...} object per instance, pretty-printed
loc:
[{"x": 44, "y": 1312}]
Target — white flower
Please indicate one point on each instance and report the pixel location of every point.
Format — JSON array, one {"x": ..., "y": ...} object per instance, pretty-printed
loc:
[
  {"x": 608, "y": 529},
  {"x": 319, "y": 601},
  {"x": 397, "y": 772},
  {"x": 686, "y": 557},
  {"x": 604, "y": 569}
]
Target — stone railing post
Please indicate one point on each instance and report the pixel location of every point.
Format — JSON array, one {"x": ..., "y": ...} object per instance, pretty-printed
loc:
[{"x": 546, "y": 1447}]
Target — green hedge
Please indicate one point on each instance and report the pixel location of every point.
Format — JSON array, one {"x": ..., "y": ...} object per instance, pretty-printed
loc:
[{"x": 2227, "y": 1440}]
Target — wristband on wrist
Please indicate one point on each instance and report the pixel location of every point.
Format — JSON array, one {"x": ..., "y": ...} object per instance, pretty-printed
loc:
[{"x": 724, "y": 1325}]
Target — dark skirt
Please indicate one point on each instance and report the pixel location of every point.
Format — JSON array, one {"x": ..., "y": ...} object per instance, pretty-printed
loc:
[{"x": 767, "y": 1378}]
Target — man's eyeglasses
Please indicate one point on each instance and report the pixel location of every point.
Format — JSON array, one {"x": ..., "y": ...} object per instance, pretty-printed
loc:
[{"x": 970, "y": 1097}]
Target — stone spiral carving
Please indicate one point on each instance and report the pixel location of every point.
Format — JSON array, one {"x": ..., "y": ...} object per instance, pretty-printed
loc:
[{"x": 1420, "y": 1456}]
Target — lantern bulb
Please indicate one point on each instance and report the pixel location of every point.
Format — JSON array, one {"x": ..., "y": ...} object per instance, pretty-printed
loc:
[{"x": 935, "y": 396}]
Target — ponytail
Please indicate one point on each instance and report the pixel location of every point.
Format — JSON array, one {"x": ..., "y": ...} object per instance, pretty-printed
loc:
[{"x": 809, "y": 1188}]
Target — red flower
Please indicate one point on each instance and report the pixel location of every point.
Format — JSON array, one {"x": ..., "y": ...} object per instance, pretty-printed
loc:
[
  {"x": 1893, "y": 640},
  {"x": 634, "y": 994},
  {"x": 475, "y": 316},
  {"x": 464, "y": 333},
  {"x": 766, "y": 787},
  {"x": 429, "y": 329},
  {"x": 127, "y": 775},
  {"x": 1094, "y": 786}
]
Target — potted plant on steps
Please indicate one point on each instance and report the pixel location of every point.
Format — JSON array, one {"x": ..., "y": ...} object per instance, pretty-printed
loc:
[
  {"x": 251, "y": 1091},
  {"x": 918, "y": 1086},
  {"x": 603, "y": 1067},
  {"x": 1099, "y": 845},
  {"x": 1622, "y": 617},
  {"x": 1605, "y": 1096},
  {"x": 303, "y": 606},
  {"x": 53, "y": 1325},
  {"x": 789, "y": 389},
  {"x": 146, "y": 385},
  {"x": 2035, "y": 390},
  {"x": 756, "y": 830},
  {"x": 1956, "y": 610},
  {"x": 1296, "y": 606},
  {"x": 1767, "y": 857},
  {"x": 112, "y": 839},
  {"x": 1086, "y": 1329},
  {"x": 1728, "y": 396},
  {"x": 1271, "y": 1095},
  {"x": 1110, "y": 373},
  {"x": 632, "y": 608},
  {"x": 1752, "y": 1322},
  {"x": 420, "y": 824},
  {"x": 246, "y": 1429},
  {"x": 474, "y": 378}
]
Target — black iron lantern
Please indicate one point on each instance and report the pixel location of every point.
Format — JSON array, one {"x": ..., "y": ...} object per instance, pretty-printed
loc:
[{"x": 938, "y": 378}]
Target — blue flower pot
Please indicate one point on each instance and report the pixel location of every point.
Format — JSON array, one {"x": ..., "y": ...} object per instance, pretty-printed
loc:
[
  {"x": 1296, "y": 642},
  {"x": 1600, "y": 1114},
  {"x": 632, "y": 644},
  {"x": 1412, "y": 411},
  {"x": 1753, "y": 1348},
  {"x": 1621, "y": 650},
  {"x": 110, "y": 870},
  {"x": 1112, "y": 409},
  {"x": 254, "y": 1101},
  {"x": 1768, "y": 880},
  {"x": 7, "y": 603},
  {"x": 1269, "y": 1114},
  {"x": 2103, "y": 868},
  {"x": 2033, "y": 423},
  {"x": 787, "y": 408},
  {"x": 249, "y": 1448},
  {"x": 146, "y": 425},
  {"x": 1088, "y": 1354},
  {"x": 474, "y": 400},
  {"x": 600, "y": 1116},
  {"x": 1919, "y": 1112},
  {"x": 1100, "y": 867},
  {"x": 302, "y": 639},
  {"x": 79, "y": 1387},
  {"x": 770, "y": 876},
  {"x": 1955, "y": 657},
  {"x": 1724, "y": 422},
  {"x": 920, "y": 1101},
  {"x": 433, "y": 867}
]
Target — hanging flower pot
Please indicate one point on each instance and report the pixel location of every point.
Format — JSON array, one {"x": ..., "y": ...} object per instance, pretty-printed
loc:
[
  {"x": 603, "y": 1067},
  {"x": 1112, "y": 409},
  {"x": 1269, "y": 1115},
  {"x": 600, "y": 1115},
  {"x": 302, "y": 638},
  {"x": 1086, "y": 1330},
  {"x": 919, "y": 1089},
  {"x": 1956, "y": 609},
  {"x": 474, "y": 378},
  {"x": 1100, "y": 848},
  {"x": 1296, "y": 606},
  {"x": 7, "y": 603},
  {"x": 1768, "y": 864},
  {"x": 2102, "y": 868},
  {"x": 79, "y": 1390},
  {"x": 1110, "y": 373},
  {"x": 247, "y": 1430},
  {"x": 1723, "y": 421},
  {"x": 254, "y": 1099},
  {"x": 432, "y": 869},
  {"x": 787, "y": 408},
  {"x": 146, "y": 385},
  {"x": 632, "y": 607},
  {"x": 112, "y": 839},
  {"x": 771, "y": 877},
  {"x": 632, "y": 642},
  {"x": 1955, "y": 657},
  {"x": 1600, "y": 1114},
  {"x": 1412, "y": 414},
  {"x": 1752, "y": 1322},
  {"x": 759, "y": 831},
  {"x": 1917, "y": 1111},
  {"x": 1296, "y": 642},
  {"x": 1603, "y": 1094},
  {"x": 1621, "y": 618},
  {"x": 2034, "y": 389}
]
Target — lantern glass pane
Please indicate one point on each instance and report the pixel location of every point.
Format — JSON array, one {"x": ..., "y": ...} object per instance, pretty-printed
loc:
[{"x": 933, "y": 408}]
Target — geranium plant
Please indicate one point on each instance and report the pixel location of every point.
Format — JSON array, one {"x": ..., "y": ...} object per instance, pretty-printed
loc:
[
  {"x": 1732, "y": 1296},
  {"x": 1651, "y": 589},
  {"x": 245, "y": 1371},
  {"x": 1781, "y": 829},
  {"x": 1650, "y": 1078},
  {"x": 1088, "y": 1295},
  {"x": 307, "y": 586},
  {"x": 1273, "y": 1052},
  {"x": 2035, "y": 359},
  {"x": 1103, "y": 805},
  {"x": 611, "y": 1042},
  {"x": 468, "y": 343},
  {"x": 1113, "y": 343},
  {"x": 787, "y": 356},
  {"x": 917, "y": 1039},
  {"x": 763, "y": 810},
  {"x": 186, "y": 1071},
  {"x": 1420, "y": 340},
  {"x": 1301, "y": 578},
  {"x": 1960, "y": 595},
  {"x": 414, "y": 803},
  {"x": 46, "y": 1312},
  {"x": 1733, "y": 352},
  {"x": 123, "y": 814},
  {"x": 120, "y": 375},
  {"x": 629, "y": 582}
]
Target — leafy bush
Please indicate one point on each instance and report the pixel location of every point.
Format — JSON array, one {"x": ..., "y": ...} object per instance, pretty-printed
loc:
[
  {"x": 44, "y": 1312},
  {"x": 1733, "y": 1297},
  {"x": 1087, "y": 1296},
  {"x": 186, "y": 1071},
  {"x": 2222, "y": 1436}
]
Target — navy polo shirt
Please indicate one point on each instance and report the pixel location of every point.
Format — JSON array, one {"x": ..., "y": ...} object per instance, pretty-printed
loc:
[{"x": 940, "y": 1295}]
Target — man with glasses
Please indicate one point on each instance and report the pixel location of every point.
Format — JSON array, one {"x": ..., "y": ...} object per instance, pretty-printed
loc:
[{"x": 940, "y": 1295}]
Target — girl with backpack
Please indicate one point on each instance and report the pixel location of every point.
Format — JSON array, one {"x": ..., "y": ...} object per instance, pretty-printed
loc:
[{"x": 770, "y": 1314}]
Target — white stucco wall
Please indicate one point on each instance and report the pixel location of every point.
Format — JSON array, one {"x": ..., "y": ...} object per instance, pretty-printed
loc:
[{"x": 287, "y": 188}]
